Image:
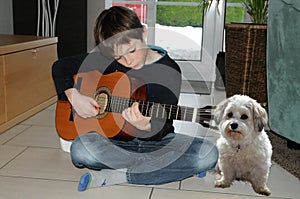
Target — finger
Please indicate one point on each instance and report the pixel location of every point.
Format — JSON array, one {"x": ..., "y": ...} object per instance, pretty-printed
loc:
[
  {"x": 95, "y": 103},
  {"x": 136, "y": 110},
  {"x": 125, "y": 114},
  {"x": 131, "y": 114},
  {"x": 94, "y": 108}
]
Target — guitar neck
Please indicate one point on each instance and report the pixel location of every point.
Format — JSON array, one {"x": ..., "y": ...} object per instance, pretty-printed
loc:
[{"x": 161, "y": 111}]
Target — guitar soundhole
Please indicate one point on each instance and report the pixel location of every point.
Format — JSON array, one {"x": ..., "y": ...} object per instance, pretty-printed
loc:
[{"x": 102, "y": 96}]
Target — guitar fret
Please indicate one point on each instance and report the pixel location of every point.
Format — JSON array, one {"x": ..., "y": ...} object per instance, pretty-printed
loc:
[
  {"x": 115, "y": 104},
  {"x": 111, "y": 104},
  {"x": 147, "y": 108},
  {"x": 170, "y": 111},
  {"x": 177, "y": 111},
  {"x": 142, "y": 107},
  {"x": 157, "y": 110},
  {"x": 191, "y": 111},
  {"x": 117, "y": 107},
  {"x": 184, "y": 115},
  {"x": 152, "y": 109},
  {"x": 194, "y": 115}
]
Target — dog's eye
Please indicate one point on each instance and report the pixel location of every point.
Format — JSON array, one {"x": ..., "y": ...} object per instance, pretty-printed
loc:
[
  {"x": 244, "y": 117},
  {"x": 229, "y": 115}
]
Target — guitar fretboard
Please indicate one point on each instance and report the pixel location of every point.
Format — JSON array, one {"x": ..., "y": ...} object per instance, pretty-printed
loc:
[{"x": 162, "y": 111}]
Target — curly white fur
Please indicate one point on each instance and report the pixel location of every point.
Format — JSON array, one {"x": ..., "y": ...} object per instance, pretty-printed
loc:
[{"x": 244, "y": 147}]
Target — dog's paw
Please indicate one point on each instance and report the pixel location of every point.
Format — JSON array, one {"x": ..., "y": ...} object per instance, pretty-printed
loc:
[
  {"x": 218, "y": 177},
  {"x": 263, "y": 191},
  {"x": 221, "y": 183}
]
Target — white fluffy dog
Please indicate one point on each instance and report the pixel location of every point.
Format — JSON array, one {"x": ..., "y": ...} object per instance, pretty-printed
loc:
[{"x": 244, "y": 147}]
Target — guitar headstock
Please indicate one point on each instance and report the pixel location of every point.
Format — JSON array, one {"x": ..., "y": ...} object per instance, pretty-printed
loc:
[{"x": 206, "y": 116}]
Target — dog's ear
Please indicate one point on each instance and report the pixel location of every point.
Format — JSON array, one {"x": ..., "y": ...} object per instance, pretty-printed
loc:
[
  {"x": 219, "y": 111},
  {"x": 260, "y": 117}
]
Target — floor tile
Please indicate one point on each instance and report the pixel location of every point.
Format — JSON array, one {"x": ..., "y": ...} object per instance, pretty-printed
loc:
[
  {"x": 12, "y": 132},
  {"x": 43, "y": 118},
  {"x": 16, "y": 188},
  {"x": 37, "y": 136},
  {"x": 207, "y": 184},
  {"x": 179, "y": 194},
  {"x": 44, "y": 163},
  {"x": 51, "y": 108},
  {"x": 281, "y": 184},
  {"x": 7, "y": 153},
  {"x": 172, "y": 185}
]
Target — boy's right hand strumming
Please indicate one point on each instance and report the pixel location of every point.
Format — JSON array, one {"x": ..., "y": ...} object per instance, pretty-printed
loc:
[{"x": 84, "y": 106}]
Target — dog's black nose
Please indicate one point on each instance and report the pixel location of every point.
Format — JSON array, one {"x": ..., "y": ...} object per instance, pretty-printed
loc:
[{"x": 234, "y": 126}]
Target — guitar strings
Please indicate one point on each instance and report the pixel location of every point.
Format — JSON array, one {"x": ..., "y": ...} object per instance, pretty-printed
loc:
[
  {"x": 118, "y": 104},
  {"x": 203, "y": 115}
]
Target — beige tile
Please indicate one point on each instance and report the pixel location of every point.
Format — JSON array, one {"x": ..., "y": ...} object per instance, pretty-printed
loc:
[
  {"x": 172, "y": 185},
  {"x": 207, "y": 184},
  {"x": 281, "y": 184},
  {"x": 43, "y": 163},
  {"x": 179, "y": 194},
  {"x": 51, "y": 108},
  {"x": 114, "y": 192},
  {"x": 7, "y": 153},
  {"x": 37, "y": 136},
  {"x": 16, "y": 188},
  {"x": 43, "y": 118},
  {"x": 12, "y": 132}
]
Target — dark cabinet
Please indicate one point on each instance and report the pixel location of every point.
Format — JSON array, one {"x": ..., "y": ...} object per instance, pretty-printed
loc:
[{"x": 71, "y": 23}]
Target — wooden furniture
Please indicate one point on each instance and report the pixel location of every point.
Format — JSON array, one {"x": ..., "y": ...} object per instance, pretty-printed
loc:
[{"x": 26, "y": 85}]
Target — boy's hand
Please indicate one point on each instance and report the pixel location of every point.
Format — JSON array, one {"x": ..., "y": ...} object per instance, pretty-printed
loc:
[
  {"x": 84, "y": 106},
  {"x": 135, "y": 117}
]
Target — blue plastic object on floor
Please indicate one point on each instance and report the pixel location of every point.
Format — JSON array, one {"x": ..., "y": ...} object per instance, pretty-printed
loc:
[
  {"x": 84, "y": 182},
  {"x": 201, "y": 174}
]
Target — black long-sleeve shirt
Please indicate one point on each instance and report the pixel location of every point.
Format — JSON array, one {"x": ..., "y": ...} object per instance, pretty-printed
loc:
[{"x": 162, "y": 78}]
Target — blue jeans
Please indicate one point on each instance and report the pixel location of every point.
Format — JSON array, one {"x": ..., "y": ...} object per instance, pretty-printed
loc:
[{"x": 174, "y": 158}]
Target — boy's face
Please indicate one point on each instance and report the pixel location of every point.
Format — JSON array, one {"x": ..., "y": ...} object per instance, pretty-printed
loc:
[{"x": 132, "y": 55}]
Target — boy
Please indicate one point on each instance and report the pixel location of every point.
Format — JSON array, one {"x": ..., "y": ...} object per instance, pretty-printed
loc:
[{"x": 156, "y": 155}]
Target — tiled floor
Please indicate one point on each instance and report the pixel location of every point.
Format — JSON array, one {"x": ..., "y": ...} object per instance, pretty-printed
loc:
[{"x": 32, "y": 165}]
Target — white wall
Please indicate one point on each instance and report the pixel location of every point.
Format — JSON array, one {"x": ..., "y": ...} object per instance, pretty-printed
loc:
[
  {"x": 95, "y": 7},
  {"x": 6, "y": 17}
]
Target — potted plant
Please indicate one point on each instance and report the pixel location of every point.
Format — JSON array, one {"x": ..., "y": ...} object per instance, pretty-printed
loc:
[
  {"x": 257, "y": 9},
  {"x": 245, "y": 47}
]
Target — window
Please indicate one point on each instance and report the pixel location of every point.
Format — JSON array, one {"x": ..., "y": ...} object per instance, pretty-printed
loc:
[{"x": 191, "y": 38}]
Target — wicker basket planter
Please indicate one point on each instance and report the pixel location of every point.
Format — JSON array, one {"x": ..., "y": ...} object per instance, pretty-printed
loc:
[{"x": 246, "y": 60}]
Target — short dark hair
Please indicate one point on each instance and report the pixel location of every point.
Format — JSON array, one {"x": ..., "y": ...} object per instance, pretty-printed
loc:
[{"x": 116, "y": 20}]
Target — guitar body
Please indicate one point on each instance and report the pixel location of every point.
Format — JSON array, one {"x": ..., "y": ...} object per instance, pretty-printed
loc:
[{"x": 102, "y": 87}]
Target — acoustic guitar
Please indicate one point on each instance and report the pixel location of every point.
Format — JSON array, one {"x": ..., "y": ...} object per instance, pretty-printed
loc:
[{"x": 115, "y": 92}]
